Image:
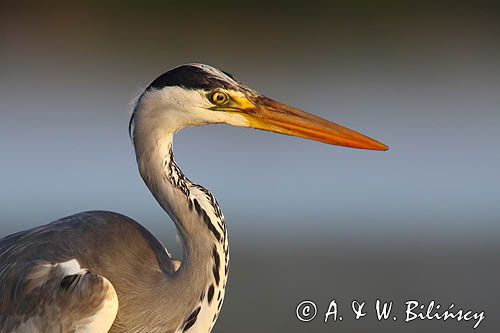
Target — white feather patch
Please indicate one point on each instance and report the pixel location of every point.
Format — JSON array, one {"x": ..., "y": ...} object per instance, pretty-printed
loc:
[
  {"x": 105, "y": 316},
  {"x": 71, "y": 267}
]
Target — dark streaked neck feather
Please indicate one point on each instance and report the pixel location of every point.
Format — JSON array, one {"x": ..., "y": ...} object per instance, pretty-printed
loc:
[{"x": 198, "y": 219}]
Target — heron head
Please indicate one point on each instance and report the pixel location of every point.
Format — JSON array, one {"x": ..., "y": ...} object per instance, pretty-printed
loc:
[{"x": 197, "y": 94}]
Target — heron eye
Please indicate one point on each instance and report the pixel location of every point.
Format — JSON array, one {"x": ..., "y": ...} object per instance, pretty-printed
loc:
[{"x": 219, "y": 97}]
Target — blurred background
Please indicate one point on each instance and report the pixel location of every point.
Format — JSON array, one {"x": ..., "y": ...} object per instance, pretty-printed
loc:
[{"x": 306, "y": 220}]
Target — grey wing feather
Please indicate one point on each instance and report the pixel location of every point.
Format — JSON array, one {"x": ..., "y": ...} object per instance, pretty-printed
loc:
[
  {"x": 37, "y": 285},
  {"x": 50, "y": 297}
]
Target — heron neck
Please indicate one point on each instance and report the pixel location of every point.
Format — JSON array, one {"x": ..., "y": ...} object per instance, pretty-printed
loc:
[{"x": 193, "y": 209}]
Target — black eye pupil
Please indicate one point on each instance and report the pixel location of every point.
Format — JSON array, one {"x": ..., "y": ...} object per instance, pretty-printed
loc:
[{"x": 220, "y": 97}]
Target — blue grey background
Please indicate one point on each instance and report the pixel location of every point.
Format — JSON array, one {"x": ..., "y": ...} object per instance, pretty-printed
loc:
[{"x": 306, "y": 220}]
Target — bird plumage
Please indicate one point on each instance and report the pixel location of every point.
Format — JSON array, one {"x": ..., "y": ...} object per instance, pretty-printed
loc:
[{"x": 92, "y": 270}]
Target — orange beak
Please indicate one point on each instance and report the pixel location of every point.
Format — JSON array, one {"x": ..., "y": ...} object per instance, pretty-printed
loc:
[{"x": 266, "y": 114}]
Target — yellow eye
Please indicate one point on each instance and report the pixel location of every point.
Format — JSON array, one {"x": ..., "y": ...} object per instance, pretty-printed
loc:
[{"x": 219, "y": 97}]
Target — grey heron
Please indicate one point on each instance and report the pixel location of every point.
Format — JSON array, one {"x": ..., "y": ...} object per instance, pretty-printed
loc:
[{"x": 100, "y": 271}]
